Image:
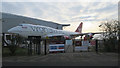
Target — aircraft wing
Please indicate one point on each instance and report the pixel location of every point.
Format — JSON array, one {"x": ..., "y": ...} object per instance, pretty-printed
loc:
[
  {"x": 72, "y": 35},
  {"x": 90, "y": 33},
  {"x": 81, "y": 34}
]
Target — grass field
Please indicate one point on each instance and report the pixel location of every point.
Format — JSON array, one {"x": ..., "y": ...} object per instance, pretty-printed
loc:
[{"x": 19, "y": 51}]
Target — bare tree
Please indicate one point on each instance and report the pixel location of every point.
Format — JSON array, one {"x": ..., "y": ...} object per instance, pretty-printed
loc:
[
  {"x": 15, "y": 42},
  {"x": 111, "y": 31}
]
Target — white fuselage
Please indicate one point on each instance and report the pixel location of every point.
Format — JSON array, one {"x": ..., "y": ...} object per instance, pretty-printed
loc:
[{"x": 26, "y": 30}]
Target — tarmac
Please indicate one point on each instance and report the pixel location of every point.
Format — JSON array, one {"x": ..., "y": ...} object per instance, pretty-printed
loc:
[{"x": 64, "y": 59}]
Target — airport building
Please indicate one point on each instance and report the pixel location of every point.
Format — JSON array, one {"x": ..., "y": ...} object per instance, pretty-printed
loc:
[{"x": 11, "y": 20}]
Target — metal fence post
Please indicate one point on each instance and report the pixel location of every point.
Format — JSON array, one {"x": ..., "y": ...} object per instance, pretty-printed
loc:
[
  {"x": 45, "y": 46},
  {"x": 39, "y": 40},
  {"x": 96, "y": 48}
]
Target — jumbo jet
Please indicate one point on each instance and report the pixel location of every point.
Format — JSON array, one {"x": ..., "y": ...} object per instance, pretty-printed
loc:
[{"x": 26, "y": 30}]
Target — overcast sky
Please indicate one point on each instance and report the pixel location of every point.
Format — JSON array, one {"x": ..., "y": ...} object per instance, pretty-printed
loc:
[{"x": 90, "y": 13}]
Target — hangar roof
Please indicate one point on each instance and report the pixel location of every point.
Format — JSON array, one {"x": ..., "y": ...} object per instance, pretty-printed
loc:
[{"x": 9, "y": 15}]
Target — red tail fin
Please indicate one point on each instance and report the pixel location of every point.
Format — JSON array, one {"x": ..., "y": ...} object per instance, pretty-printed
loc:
[{"x": 79, "y": 29}]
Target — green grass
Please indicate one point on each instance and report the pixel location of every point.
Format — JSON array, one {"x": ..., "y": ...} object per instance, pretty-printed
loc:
[
  {"x": 19, "y": 52},
  {"x": 6, "y": 51}
]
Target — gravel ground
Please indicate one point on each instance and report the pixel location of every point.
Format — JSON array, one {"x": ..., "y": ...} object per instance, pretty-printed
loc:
[{"x": 64, "y": 59}]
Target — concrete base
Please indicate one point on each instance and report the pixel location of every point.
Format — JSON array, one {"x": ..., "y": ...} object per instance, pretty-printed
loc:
[{"x": 69, "y": 48}]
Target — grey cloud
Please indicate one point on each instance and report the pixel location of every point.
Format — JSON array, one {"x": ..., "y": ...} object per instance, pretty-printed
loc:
[
  {"x": 109, "y": 8},
  {"x": 76, "y": 9},
  {"x": 12, "y": 7},
  {"x": 60, "y": 12}
]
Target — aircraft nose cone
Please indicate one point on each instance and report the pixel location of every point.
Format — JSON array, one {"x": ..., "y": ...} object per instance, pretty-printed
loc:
[
  {"x": 10, "y": 30},
  {"x": 14, "y": 30}
]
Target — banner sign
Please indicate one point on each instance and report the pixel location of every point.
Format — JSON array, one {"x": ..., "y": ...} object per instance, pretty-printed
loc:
[
  {"x": 56, "y": 47},
  {"x": 68, "y": 42},
  {"x": 85, "y": 43},
  {"x": 81, "y": 48}
]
